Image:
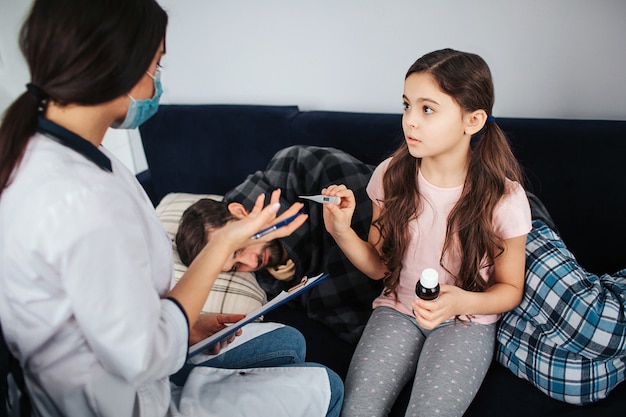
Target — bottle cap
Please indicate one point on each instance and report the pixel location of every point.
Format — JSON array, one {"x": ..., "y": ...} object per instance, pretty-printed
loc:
[{"x": 429, "y": 278}]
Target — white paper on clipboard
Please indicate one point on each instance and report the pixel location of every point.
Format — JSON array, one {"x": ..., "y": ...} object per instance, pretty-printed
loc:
[{"x": 304, "y": 285}]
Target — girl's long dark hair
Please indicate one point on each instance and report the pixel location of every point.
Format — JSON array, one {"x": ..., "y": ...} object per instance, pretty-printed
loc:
[
  {"x": 79, "y": 52},
  {"x": 466, "y": 78}
]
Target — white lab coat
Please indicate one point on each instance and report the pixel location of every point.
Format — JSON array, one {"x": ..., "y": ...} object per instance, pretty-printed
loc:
[{"x": 84, "y": 261}]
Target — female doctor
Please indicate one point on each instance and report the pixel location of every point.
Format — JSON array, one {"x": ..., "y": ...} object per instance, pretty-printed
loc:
[{"x": 85, "y": 265}]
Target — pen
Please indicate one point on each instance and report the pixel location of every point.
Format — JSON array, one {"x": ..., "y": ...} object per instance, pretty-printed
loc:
[
  {"x": 278, "y": 225},
  {"x": 322, "y": 199}
]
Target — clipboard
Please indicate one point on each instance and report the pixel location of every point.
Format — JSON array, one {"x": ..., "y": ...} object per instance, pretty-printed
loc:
[{"x": 284, "y": 296}]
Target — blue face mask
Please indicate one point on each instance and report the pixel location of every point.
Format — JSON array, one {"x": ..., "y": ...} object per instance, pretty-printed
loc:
[{"x": 141, "y": 110}]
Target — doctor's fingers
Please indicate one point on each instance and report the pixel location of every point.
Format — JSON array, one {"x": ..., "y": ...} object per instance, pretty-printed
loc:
[
  {"x": 239, "y": 233},
  {"x": 285, "y": 230}
]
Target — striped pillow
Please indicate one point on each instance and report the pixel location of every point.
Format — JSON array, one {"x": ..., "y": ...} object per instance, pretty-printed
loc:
[{"x": 233, "y": 292}]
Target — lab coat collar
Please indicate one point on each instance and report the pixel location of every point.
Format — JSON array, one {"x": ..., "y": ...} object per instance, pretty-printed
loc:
[{"x": 73, "y": 141}]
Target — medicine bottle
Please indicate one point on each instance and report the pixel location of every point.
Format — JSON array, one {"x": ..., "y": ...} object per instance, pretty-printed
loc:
[{"x": 427, "y": 288}]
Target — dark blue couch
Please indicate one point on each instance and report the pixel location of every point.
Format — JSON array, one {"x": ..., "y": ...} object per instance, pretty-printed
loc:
[{"x": 576, "y": 167}]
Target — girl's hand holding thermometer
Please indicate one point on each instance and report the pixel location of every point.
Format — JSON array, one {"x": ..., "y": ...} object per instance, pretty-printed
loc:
[{"x": 338, "y": 216}]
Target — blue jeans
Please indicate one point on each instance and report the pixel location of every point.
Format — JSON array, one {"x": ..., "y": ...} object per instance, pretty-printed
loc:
[{"x": 284, "y": 346}]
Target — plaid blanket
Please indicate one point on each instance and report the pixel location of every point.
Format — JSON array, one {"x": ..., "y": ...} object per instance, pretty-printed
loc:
[
  {"x": 344, "y": 301},
  {"x": 568, "y": 335}
]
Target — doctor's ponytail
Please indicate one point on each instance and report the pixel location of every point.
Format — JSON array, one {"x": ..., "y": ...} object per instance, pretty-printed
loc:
[
  {"x": 78, "y": 52},
  {"x": 19, "y": 123}
]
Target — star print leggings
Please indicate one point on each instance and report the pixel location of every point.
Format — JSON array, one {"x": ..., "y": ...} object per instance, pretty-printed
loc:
[{"x": 448, "y": 362}]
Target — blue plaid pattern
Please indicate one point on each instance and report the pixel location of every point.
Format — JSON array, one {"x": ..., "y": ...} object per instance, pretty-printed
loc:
[{"x": 568, "y": 335}]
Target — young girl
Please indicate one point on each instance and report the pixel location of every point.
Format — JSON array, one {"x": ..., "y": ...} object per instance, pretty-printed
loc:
[
  {"x": 450, "y": 199},
  {"x": 86, "y": 298}
]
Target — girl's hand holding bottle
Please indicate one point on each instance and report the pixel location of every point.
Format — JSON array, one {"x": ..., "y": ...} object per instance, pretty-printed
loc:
[{"x": 430, "y": 313}]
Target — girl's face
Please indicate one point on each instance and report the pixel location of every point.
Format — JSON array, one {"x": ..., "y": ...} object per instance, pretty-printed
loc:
[{"x": 433, "y": 122}]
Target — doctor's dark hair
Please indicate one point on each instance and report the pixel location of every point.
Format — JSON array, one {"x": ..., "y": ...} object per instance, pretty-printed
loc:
[
  {"x": 469, "y": 235},
  {"x": 78, "y": 52}
]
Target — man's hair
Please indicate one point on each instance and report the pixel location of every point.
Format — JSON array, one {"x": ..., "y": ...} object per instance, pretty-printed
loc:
[{"x": 196, "y": 223}]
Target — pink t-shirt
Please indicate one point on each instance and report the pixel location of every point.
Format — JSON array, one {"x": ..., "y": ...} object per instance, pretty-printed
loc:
[{"x": 511, "y": 219}]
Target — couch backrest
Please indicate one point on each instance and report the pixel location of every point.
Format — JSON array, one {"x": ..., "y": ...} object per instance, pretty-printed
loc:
[
  {"x": 200, "y": 148},
  {"x": 370, "y": 137},
  {"x": 576, "y": 167}
]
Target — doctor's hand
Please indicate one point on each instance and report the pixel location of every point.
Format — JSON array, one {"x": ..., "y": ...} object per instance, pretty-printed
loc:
[
  {"x": 210, "y": 323},
  {"x": 259, "y": 218}
]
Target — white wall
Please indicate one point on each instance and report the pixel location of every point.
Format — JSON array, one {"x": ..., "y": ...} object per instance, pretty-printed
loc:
[{"x": 550, "y": 59}]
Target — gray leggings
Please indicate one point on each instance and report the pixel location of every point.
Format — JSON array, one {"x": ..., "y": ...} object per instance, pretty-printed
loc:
[{"x": 448, "y": 362}]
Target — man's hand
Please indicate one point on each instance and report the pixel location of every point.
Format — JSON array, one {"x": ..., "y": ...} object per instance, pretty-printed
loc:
[{"x": 210, "y": 323}]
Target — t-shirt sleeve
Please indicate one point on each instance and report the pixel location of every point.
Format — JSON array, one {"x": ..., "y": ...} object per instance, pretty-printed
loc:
[
  {"x": 375, "y": 186},
  {"x": 512, "y": 216}
]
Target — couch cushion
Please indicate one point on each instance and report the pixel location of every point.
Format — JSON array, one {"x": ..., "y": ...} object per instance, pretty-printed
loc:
[
  {"x": 568, "y": 335},
  {"x": 233, "y": 292}
]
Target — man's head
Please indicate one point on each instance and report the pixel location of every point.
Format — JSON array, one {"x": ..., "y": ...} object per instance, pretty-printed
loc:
[{"x": 204, "y": 217}]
